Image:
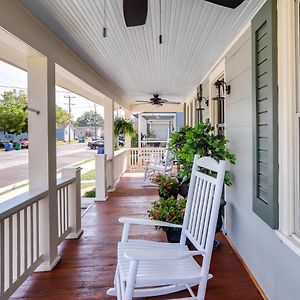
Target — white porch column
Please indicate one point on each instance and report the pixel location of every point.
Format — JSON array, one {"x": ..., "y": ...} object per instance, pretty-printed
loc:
[
  {"x": 101, "y": 184},
  {"x": 139, "y": 131},
  {"x": 42, "y": 152},
  {"x": 109, "y": 140},
  {"x": 127, "y": 137},
  {"x": 74, "y": 197}
]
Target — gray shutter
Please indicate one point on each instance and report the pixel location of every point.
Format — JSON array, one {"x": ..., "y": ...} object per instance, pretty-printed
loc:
[{"x": 265, "y": 115}]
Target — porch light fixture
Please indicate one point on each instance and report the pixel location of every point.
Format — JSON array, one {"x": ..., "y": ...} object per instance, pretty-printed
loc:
[
  {"x": 221, "y": 84},
  {"x": 198, "y": 103}
]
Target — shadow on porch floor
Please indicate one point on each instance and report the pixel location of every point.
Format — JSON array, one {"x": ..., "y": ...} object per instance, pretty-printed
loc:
[{"x": 88, "y": 264}]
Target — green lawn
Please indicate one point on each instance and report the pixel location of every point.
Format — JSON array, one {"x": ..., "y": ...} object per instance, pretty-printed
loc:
[
  {"x": 61, "y": 143},
  {"x": 87, "y": 184},
  {"x": 90, "y": 175}
]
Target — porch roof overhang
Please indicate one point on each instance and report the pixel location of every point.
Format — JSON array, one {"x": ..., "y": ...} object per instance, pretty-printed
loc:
[{"x": 133, "y": 63}]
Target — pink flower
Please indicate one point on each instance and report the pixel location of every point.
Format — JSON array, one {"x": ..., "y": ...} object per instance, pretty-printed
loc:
[{"x": 158, "y": 215}]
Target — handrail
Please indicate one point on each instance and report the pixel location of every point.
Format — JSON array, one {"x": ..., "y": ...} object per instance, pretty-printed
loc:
[
  {"x": 20, "y": 202},
  {"x": 61, "y": 182}
]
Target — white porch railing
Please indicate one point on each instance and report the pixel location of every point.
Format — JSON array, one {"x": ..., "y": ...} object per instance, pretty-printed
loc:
[
  {"x": 20, "y": 236},
  {"x": 139, "y": 156},
  {"x": 109, "y": 171}
]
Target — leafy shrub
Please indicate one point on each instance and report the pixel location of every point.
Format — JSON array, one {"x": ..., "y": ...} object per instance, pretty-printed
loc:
[{"x": 90, "y": 194}]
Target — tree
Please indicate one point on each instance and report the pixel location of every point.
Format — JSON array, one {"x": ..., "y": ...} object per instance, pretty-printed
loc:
[
  {"x": 62, "y": 116},
  {"x": 90, "y": 118},
  {"x": 13, "y": 112},
  {"x": 14, "y": 115}
]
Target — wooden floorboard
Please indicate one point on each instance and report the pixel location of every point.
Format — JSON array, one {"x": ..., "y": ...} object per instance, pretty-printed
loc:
[{"x": 88, "y": 264}]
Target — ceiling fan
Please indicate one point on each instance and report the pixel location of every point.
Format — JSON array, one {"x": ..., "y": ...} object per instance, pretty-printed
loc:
[{"x": 156, "y": 100}]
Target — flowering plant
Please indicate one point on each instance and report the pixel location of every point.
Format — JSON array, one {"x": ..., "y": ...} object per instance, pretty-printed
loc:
[
  {"x": 167, "y": 185},
  {"x": 168, "y": 210}
]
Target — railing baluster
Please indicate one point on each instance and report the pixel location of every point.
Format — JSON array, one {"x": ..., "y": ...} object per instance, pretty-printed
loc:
[
  {"x": 31, "y": 233},
  {"x": 18, "y": 245},
  {"x": 25, "y": 238},
  {"x": 60, "y": 215},
  {"x": 10, "y": 248},
  {"x": 67, "y": 200},
  {"x": 37, "y": 230},
  {"x": 2, "y": 261}
]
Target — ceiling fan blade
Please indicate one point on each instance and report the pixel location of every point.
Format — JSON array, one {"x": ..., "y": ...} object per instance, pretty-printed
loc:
[
  {"x": 227, "y": 3},
  {"x": 170, "y": 102},
  {"x": 142, "y": 101},
  {"x": 135, "y": 12}
]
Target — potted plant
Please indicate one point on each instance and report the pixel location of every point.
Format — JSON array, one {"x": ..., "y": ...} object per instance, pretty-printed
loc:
[
  {"x": 169, "y": 210},
  {"x": 203, "y": 141},
  {"x": 124, "y": 127},
  {"x": 167, "y": 186},
  {"x": 200, "y": 140}
]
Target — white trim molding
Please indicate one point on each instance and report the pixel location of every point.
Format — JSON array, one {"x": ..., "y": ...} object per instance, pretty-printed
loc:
[{"x": 286, "y": 102}]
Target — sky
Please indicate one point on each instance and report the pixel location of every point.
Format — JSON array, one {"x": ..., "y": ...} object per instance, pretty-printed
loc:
[{"x": 12, "y": 77}]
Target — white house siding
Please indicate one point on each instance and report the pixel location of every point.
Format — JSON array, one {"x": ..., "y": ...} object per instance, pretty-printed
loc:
[{"x": 273, "y": 264}]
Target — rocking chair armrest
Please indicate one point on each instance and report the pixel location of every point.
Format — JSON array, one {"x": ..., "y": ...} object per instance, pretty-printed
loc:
[
  {"x": 159, "y": 255},
  {"x": 147, "y": 222}
]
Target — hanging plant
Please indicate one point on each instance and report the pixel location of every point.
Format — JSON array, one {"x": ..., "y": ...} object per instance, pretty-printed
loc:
[{"x": 124, "y": 127}]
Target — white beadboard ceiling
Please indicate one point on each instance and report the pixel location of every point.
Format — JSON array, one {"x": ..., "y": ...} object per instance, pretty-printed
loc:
[{"x": 195, "y": 34}]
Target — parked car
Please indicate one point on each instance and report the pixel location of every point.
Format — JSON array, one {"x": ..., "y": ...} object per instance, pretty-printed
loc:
[
  {"x": 24, "y": 143},
  {"x": 96, "y": 144}
]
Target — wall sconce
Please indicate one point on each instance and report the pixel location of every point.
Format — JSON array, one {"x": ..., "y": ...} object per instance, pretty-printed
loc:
[
  {"x": 200, "y": 99},
  {"x": 198, "y": 103},
  {"x": 221, "y": 84}
]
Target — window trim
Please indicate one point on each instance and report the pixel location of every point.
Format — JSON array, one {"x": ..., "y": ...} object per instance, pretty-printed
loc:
[{"x": 287, "y": 93}]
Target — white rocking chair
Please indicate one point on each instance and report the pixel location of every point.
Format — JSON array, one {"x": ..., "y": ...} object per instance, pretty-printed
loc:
[
  {"x": 148, "y": 268},
  {"x": 163, "y": 166}
]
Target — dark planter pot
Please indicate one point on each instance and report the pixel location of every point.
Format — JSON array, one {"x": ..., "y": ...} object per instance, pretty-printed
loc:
[
  {"x": 183, "y": 189},
  {"x": 173, "y": 236},
  {"x": 167, "y": 196},
  {"x": 220, "y": 215}
]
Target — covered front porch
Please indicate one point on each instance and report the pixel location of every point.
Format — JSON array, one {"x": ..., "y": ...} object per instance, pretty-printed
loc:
[{"x": 88, "y": 264}]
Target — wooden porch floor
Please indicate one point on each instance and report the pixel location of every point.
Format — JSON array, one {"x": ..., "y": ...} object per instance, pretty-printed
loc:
[{"x": 87, "y": 267}]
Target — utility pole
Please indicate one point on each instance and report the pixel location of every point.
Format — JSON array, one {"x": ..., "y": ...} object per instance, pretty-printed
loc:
[
  {"x": 95, "y": 113},
  {"x": 70, "y": 104}
]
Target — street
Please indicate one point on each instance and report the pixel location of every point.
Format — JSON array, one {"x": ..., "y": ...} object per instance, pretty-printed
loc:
[{"x": 14, "y": 164}]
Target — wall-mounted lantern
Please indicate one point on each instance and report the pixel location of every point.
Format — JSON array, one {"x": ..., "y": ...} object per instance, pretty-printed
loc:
[{"x": 221, "y": 84}]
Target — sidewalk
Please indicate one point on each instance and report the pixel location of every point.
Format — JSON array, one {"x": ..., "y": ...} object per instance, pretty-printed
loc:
[{"x": 18, "y": 188}]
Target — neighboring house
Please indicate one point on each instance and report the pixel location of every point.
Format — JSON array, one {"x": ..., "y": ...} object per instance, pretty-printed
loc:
[
  {"x": 155, "y": 128},
  {"x": 62, "y": 132},
  {"x": 88, "y": 131}
]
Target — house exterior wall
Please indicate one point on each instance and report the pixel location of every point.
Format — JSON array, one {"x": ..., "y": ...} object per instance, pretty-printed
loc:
[{"x": 274, "y": 265}]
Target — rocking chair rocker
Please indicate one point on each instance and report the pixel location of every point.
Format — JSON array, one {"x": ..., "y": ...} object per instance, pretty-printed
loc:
[{"x": 148, "y": 268}]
